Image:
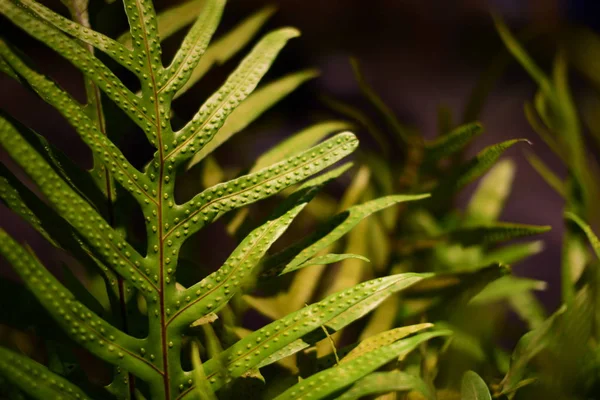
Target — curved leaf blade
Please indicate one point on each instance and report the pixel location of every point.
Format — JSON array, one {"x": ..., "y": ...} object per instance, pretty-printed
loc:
[
  {"x": 491, "y": 194},
  {"x": 402, "y": 132},
  {"x": 383, "y": 339},
  {"x": 332, "y": 259},
  {"x": 128, "y": 176},
  {"x": 193, "y": 47},
  {"x": 203, "y": 388},
  {"x": 80, "y": 323},
  {"x": 227, "y": 46},
  {"x": 214, "y": 291},
  {"x": 250, "y": 109},
  {"x": 385, "y": 382},
  {"x": 110, "y": 47},
  {"x": 170, "y": 20},
  {"x": 474, "y": 388},
  {"x": 256, "y": 347},
  {"x": 547, "y": 175},
  {"x": 470, "y": 171},
  {"x": 35, "y": 379},
  {"x": 507, "y": 287},
  {"x": 299, "y": 141},
  {"x": 454, "y": 141},
  {"x": 212, "y": 115},
  {"x": 76, "y": 54},
  {"x": 107, "y": 243},
  {"x": 224, "y": 197},
  {"x": 593, "y": 239},
  {"x": 493, "y": 233},
  {"x": 327, "y": 382},
  {"x": 521, "y": 55},
  {"x": 294, "y": 256}
]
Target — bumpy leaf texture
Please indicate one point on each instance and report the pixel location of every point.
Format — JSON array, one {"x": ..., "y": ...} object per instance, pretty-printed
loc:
[{"x": 75, "y": 213}]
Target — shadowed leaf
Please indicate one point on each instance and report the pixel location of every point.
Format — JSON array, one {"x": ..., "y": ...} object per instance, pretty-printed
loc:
[{"x": 474, "y": 388}]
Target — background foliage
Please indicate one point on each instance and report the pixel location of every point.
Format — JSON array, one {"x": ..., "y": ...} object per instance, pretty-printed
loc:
[{"x": 463, "y": 245}]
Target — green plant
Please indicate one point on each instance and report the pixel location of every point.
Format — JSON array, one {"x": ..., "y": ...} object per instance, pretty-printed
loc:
[
  {"x": 559, "y": 358},
  {"x": 150, "y": 328},
  {"x": 434, "y": 236}
]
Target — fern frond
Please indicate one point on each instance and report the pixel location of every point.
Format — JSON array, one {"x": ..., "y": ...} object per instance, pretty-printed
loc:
[
  {"x": 107, "y": 243},
  {"x": 325, "y": 383},
  {"x": 78, "y": 214},
  {"x": 387, "y": 382},
  {"x": 35, "y": 379},
  {"x": 296, "y": 255},
  {"x": 84, "y": 326},
  {"x": 261, "y": 344}
]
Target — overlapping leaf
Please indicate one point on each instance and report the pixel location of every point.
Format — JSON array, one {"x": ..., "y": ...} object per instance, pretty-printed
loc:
[
  {"x": 77, "y": 320},
  {"x": 35, "y": 379},
  {"x": 288, "y": 332},
  {"x": 296, "y": 255},
  {"x": 386, "y": 382},
  {"x": 474, "y": 388},
  {"x": 167, "y": 224},
  {"x": 327, "y": 382}
]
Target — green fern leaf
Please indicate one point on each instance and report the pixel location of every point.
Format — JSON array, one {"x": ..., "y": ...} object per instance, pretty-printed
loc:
[
  {"x": 593, "y": 239},
  {"x": 474, "y": 388},
  {"x": 35, "y": 379},
  {"x": 285, "y": 332},
  {"x": 452, "y": 142},
  {"x": 470, "y": 171},
  {"x": 386, "y": 382},
  {"x": 493, "y": 233},
  {"x": 491, "y": 194},
  {"x": 78, "y": 215},
  {"x": 108, "y": 244},
  {"x": 325, "y": 383},
  {"x": 296, "y": 255},
  {"x": 78, "y": 321},
  {"x": 547, "y": 174},
  {"x": 227, "y": 46},
  {"x": 513, "y": 253},
  {"x": 254, "y": 106}
]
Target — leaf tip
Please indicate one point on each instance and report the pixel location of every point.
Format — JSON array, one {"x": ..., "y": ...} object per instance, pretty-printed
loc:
[{"x": 288, "y": 32}]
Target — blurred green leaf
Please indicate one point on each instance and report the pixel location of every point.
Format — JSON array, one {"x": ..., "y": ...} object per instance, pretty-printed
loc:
[
  {"x": 470, "y": 171},
  {"x": 529, "y": 309},
  {"x": 452, "y": 142},
  {"x": 507, "y": 287},
  {"x": 521, "y": 55},
  {"x": 531, "y": 344},
  {"x": 401, "y": 131},
  {"x": 384, "y": 382},
  {"x": 493, "y": 233},
  {"x": 203, "y": 389},
  {"x": 491, "y": 194},
  {"x": 584, "y": 52},
  {"x": 299, "y": 141},
  {"x": 327, "y": 382},
  {"x": 252, "y": 108},
  {"x": 171, "y": 20},
  {"x": 593, "y": 239},
  {"x": 513, "y": 253},
  {"x": 474, "y": 388},
  {"x": 293, "y": 257},
  {"x": 356, "y": 114},
  {"x": 546, "y": 173}
]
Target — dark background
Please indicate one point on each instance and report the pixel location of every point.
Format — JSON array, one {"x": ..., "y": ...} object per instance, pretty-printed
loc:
[{"x": 418, "y": 54}]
